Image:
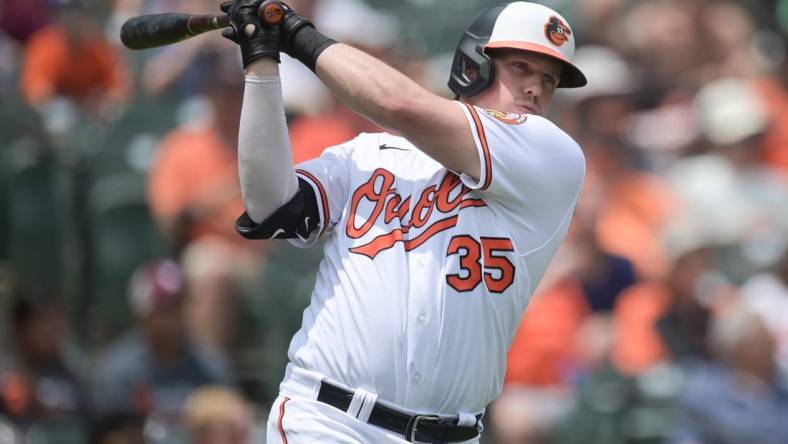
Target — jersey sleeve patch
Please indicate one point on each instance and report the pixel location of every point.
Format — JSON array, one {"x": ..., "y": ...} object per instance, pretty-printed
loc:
[{"x": 510, "y": 118}]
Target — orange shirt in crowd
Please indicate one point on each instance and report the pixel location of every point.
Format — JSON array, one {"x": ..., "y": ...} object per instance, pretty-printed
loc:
[
  {"x": 195, "y": 172},
  {"x": 310, "y": 135},
  {"x": 775, "y": 150},
  {"x": 636, "y": 208},
  {"x": 53, "y": 67},
  {"x": 544, "y": 347},
  {"x": 638, "y": 344},
  {"x": 543, "y": 344}
]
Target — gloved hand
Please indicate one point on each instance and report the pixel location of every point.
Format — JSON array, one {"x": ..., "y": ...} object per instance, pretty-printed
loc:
[
  {"x": 300, "y": 39},
  {"x": 292, "y": 23},
  {"x": 255, "y": 39}
]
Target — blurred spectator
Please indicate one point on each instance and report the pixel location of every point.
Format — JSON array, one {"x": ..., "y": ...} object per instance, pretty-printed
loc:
[
  {"x": 602, "y": 107},
  {"x": 696, "y": 287},
  {"x": 302, "y": 91},
  {"x": 310, "y": 135},
  {"x": 740, "y": 396},
  {"x": 728, "y": 34},
  {"x": 767, "y": 295},
  {"x": 217, "y": 415},
  {"x": 775, "y": 149},
  {"x": 355, "y": 23},
  {"x": 21, "y": 18},
  {"x": 627, "y": 395},
  {"x": 660, "y": 35},
  {"x": 540, "y": 365},
  {"x": 154, "y": 368},
  {"x": 72, "y": 58},
  {"x": 633, "y": 205},
  {"x": 638, "y": 345},
  {"x": 193, "y": 187},
  {"x": 217, "y": 276},
  {"x": 119, "y": 428},
  {"x": 37, "y": 382},
  {"x": 194, "y": 190},
  {"x": 587, "y": 282},
  {"x": 666, "y": 321},
  {"x": 684, "y": 124},
  {"x": 727, "y": 195},
  {"x": 561, "y": 342},
  {"x": 601, "y": 274},
  {"x": 599, "y": 18},
  {"x": 611, "y": 408},
  {"x": 566, "y": 331}
]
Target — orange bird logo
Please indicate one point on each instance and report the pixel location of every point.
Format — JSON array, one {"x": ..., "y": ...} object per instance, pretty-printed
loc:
[{"x": 556, "y": 31}]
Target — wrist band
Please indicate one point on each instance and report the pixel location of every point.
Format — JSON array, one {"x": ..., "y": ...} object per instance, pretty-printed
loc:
[{"x": 307, "y": 44}]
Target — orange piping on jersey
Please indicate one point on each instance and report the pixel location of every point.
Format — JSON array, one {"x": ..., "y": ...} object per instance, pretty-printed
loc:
[
  {"x": 281, "y": 417},
  {"x": 323, "y": 198},
  {"x": 472, "y": 203},
  {"x": 485, "y": 147}
]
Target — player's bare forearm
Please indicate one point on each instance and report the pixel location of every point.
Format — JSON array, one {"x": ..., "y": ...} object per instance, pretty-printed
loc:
[
  {"x": 392, "y": 100},
  {"x": 368, "y": 85}
]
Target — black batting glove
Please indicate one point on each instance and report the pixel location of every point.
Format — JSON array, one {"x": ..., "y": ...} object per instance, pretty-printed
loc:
[
  {"x": 256, "y": 41},
  {"x": 290, "y": 26}
]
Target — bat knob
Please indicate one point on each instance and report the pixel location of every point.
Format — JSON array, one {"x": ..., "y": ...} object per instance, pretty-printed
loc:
[{"x": 272, "y": 13}]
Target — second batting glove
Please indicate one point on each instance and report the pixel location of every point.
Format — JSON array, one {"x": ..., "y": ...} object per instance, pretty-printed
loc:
[
  {"x": 301, "y": 40},
  {"x": 256, "y": 41}
]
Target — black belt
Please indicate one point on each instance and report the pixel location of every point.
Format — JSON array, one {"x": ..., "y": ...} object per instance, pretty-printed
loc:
[{"x": 415, "y": 428}]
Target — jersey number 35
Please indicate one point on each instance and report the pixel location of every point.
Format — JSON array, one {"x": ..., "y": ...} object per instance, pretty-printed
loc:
[{"x": 497, "y": 271}]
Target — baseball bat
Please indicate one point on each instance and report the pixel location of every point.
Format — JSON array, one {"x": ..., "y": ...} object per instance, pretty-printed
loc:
[{"x": 152, "y": 30}]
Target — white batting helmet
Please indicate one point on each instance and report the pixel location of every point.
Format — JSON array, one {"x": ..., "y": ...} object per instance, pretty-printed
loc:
[{"x": 520, "y": 25}]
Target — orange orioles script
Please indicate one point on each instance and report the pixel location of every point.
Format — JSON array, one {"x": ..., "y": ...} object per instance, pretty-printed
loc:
[{"x": 447, "y": 199}]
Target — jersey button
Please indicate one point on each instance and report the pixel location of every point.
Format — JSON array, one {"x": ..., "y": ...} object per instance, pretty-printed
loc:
[
  {"x": 417, "y": 377},
  {"x": 422, "y": 319}
]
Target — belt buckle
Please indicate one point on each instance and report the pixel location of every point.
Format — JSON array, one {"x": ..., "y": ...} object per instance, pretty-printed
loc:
[{"x": 414, "y": 426}]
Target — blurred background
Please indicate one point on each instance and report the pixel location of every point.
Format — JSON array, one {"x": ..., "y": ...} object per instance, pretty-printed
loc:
[{"x": 131, "y": 312}]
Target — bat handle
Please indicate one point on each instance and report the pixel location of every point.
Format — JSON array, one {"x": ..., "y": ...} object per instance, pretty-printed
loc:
[
  {"x": 197, "y": 24},
  {"x": 271, "y": 13}
]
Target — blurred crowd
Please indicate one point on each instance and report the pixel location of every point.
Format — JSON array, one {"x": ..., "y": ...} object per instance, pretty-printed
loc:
[{"x": 132, "y": 312}]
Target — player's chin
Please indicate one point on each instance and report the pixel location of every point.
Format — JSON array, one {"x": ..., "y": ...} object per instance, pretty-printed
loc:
[{"x": 528, "y": 109}]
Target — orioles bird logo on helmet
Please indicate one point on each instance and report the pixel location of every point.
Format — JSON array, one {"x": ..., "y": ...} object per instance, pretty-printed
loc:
[{"x": 556, "y": 31}]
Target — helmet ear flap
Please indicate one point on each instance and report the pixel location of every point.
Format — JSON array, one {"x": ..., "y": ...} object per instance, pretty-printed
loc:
[
  {"x": 469, "y": 56},
  {"x": 471, "y": 75}
]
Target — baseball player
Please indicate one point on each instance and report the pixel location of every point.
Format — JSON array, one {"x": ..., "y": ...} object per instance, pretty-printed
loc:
[{"x": 436, "y": 233}]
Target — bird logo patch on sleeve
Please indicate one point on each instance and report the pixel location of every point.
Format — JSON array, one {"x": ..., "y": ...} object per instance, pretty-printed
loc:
[{"x": 510, "y": 118}]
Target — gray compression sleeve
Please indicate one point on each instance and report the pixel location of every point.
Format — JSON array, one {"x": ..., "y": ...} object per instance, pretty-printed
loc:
[{"x": 265, "y": 163}]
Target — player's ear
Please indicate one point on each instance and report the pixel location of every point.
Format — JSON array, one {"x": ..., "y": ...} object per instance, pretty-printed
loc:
[{"x": 471, "y": 73}]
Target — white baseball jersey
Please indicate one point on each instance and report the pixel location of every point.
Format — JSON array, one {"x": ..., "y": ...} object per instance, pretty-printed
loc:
[{"x": 426, "y": 273}]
